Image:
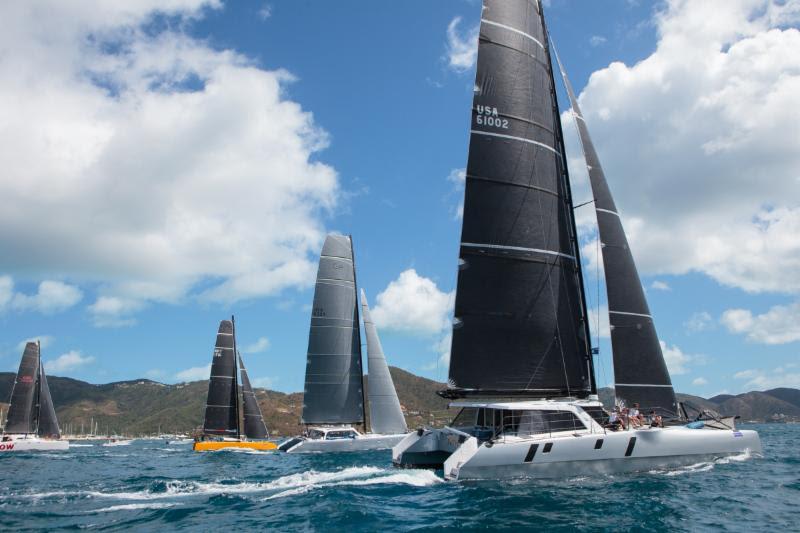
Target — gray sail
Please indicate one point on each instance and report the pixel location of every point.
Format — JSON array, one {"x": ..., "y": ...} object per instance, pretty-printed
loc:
[
  {"x": 222, "y": 404},
  {"x": 640, "y": 372},
  {"x": 385, "y": 415},
  {"x": 22, "y": 411},
  {"x": 254, "y": 427},
  {"x": 48, "y": 423},
  {"x": 519, "y": 326},
  {"x": 334, "y": 390}
]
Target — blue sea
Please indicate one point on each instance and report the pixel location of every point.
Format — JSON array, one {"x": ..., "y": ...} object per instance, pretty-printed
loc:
[{"x": 152, "y": 485}]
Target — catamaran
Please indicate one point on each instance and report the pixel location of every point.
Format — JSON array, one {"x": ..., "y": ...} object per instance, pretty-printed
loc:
[
  {"x": 333, "y": 401},
  {"x": 222, "y": 426},
  {"x": 521, "y": 368},
  {"x": 31, "y": 423}
]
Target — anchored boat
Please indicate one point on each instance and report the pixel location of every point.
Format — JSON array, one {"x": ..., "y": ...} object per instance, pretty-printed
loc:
[
  {"x": 222, "y": 426},
  {"x": 31, "y": 423},
  {"x": 521, "y": 368},
  {"x": 333, "y": 401}
]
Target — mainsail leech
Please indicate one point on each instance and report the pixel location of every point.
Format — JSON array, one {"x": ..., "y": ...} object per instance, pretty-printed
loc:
[
  {"x": 519, "y": 325},
  {"x": 334, "y": 390},
  {"x": 640, "y": 371},
  {"x": 385, "y": 415}
]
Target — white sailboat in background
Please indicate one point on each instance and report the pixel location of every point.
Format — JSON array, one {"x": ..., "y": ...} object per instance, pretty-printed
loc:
[
  {"x": 333, "y": 401},
  {"x": 521, "y": 368},
  {"x": 31, "y": 423}
]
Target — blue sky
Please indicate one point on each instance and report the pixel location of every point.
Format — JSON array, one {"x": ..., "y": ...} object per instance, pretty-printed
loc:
[{"x": 166, "y": 168}]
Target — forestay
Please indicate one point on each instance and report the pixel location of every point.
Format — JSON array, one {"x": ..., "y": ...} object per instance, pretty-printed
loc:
[{"x": 519, "y": 324}]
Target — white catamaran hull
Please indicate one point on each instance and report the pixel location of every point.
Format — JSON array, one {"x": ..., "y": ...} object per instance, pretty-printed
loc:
[
  {"x": 568, "y": 454},
  {"x": 31, "y": 444},
  {"x": 358, "y": 444}
]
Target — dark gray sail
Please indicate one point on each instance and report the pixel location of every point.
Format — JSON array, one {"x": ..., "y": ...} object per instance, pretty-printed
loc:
[
  {"x": 334, "y": 391},
  {"x": 640, "y": 373},
  {"x": 222, "y": 404},
  {"x": 519, "y": 326},
  {"x": 48, "y": 423},
  {"x": 385, "y": 415},
  {"x": 254, "y": 427},
  {"x": 22, "y": 411}
]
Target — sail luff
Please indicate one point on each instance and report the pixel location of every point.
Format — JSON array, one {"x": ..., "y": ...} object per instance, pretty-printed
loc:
[
  {"x": 254, "y": 426},
  {"x": 519, "y": 326},
  {"x": 333, "y": 392},
  {"x": 21, "y": 414},
  {"x": 48, "y": 422},
  {"x": 640, "y": 372},
  {"x": 385, "y": 414},
  {"x": 221, "y": 416}
]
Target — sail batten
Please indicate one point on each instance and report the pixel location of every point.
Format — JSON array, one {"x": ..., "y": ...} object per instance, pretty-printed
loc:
[
  {"x": 221, "y": 416},
  {"x": 334, "y": 390},
  {"x": 385, "y": 414},
  {"x": 519, "y": 320},
  {"x": 640, "y": 372}
]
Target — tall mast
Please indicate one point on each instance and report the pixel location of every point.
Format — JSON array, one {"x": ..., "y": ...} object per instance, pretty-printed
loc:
[
  {"x": 358, "y": 334},
  {"x": 236, "y": 380}
]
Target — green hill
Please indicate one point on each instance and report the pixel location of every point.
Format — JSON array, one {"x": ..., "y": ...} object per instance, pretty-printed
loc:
[{"x": 143, "y": 406}]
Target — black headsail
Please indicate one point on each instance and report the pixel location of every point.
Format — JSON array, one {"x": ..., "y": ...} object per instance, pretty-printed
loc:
[
  {"x": 22, "y": 411},
  {"x": 519, "y": 326},
  {"x": 254, "y": 427},
  {"x": 48, "y": 423},
  {"x": 222, "y": 405},
  {"x": 640, "y": 373},
  {"x": 334, "y": 388}
]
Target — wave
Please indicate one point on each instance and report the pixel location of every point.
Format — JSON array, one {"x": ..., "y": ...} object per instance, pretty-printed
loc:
[
  {"x": 283, "y": 486},
  {"x": 81, "y": 445},
  {"x": 704, "y": 466},
  {"x": 132, "y": 507},
  {"x": 357, "y": 476}
]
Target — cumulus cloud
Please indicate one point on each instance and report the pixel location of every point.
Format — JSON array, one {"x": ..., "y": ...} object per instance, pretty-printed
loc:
[
  {"x": 699, "y": 382},
  {"x": 778, "y": 377},
  {"x": 264, "y": 383},
  {"x": 779, "y": 325},
  {"x": 458, "y": 177},
  {"x": 700, "y": 321},
  {"x": 659, "y": 285},
  {"x": 68, "y": 361},
  {"x": 50, "y": 296},
  {"x": 598, "y": 322},
  {"x": 261, "y": 345},
  {"x": 676, "y": 360},
  {"x": 462, "y": 47},
  {"x": 414, "y": 304},
  {"x": 197, "y": 373},
  {"x": 597, "y": 40},
  {"x": 174, "y": 170},
  {"x": 712, "y": 185}
]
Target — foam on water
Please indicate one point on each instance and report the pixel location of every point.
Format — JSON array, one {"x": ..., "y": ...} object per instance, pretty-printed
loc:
[
  {"x": 704, "y": 466},
  {"x": 133, "y": 507},
  {"x": 81, "y": 445}
]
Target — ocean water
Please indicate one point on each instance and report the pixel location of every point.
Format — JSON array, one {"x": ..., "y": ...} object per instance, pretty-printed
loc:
[{"x": 150, "y": 485}]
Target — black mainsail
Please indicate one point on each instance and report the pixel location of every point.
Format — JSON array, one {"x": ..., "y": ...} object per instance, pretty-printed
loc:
[
  {"x": 640, "y": 372},
  {"x": 254, "y": 427},
  {"x": 520, "y": 323},
  {"x": 222, "y": 405},
  {"x": 334, "y": 390},
  {"x": 22, "y": 411}
]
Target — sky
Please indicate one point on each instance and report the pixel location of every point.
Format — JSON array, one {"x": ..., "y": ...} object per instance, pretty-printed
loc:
[{"x": 167, "y": 164}]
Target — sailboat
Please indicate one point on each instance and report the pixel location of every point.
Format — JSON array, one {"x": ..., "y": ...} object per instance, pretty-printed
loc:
[
  {"x": 222, "y": 426},
  {"x": 521, "y": 369},
  {"x": 31, "y": 423},
  {"x": 333, "y": 401}
]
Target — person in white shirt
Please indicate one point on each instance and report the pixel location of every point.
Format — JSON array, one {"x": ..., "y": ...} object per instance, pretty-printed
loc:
[{"x": 635, "y": 417}]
